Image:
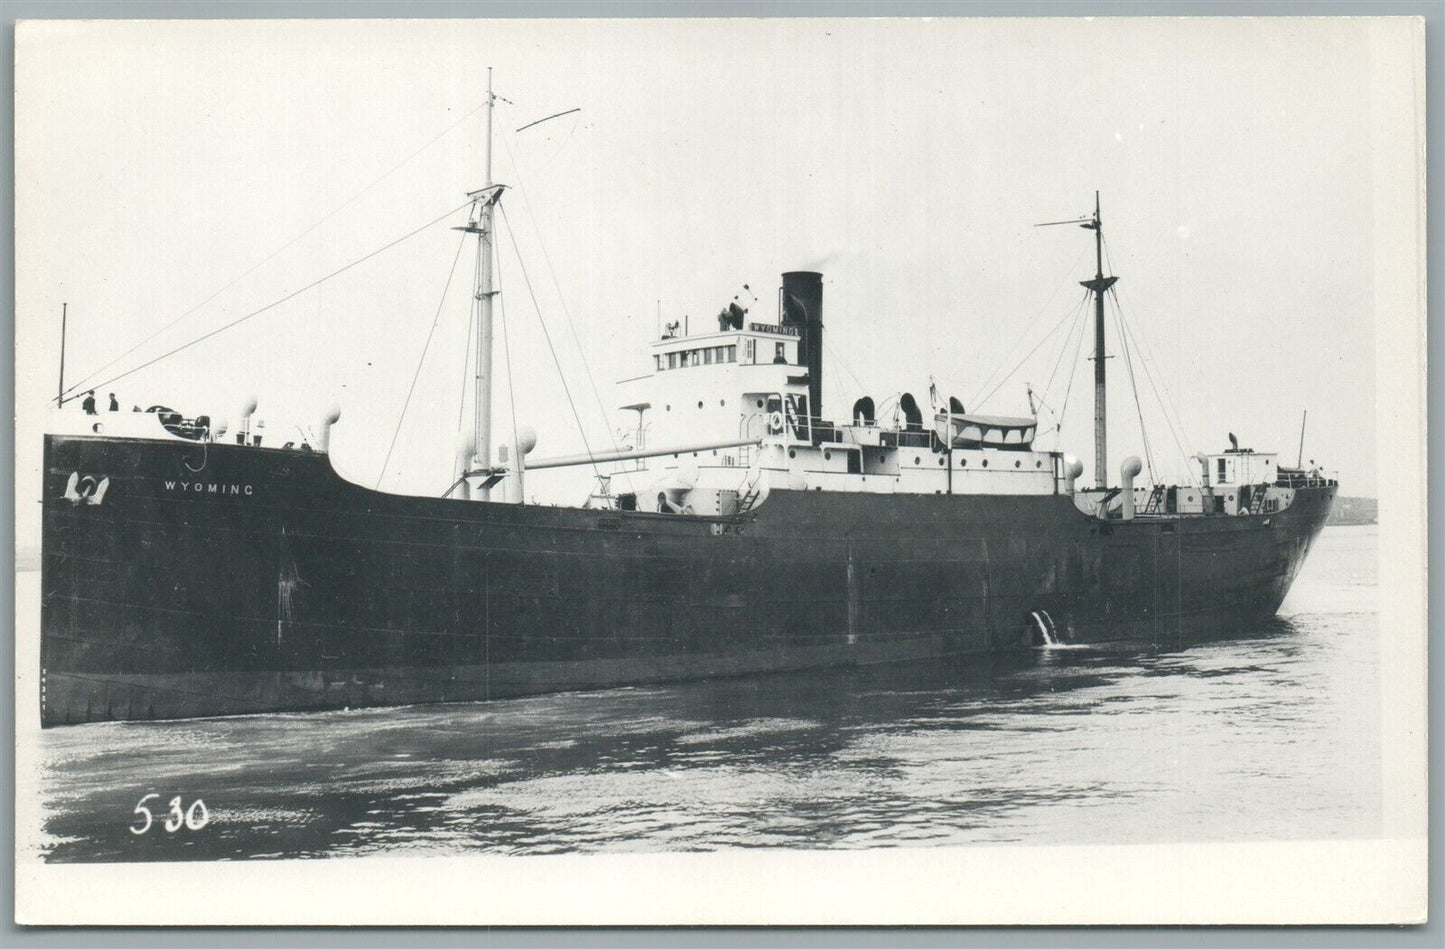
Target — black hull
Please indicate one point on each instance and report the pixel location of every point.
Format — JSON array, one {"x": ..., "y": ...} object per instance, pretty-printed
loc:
[{"x": 218, "y": 580}]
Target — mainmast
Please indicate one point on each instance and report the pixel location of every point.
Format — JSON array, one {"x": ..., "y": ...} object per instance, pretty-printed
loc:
[
  {"x": 1099, "y": 285},
  {"x": 482, "y": 225}
]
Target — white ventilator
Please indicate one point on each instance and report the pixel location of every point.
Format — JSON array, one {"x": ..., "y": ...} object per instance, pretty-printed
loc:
[
  {"x": 1128, "y": 471},
  {"x": 323, "y": 430}
]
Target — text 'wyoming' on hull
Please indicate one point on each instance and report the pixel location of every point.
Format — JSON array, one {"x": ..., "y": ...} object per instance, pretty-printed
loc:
[{"x": 211, "y": 579}]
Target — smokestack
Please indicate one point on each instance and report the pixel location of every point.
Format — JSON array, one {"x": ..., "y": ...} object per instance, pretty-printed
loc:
[{"x": 803, "y": 309}]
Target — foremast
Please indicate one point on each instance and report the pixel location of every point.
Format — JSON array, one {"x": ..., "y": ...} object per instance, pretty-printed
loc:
[{"x": 482, "y": 224}]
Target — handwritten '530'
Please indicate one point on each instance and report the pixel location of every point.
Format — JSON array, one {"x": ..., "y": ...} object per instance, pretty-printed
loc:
[{"x": 194, "y": 817}]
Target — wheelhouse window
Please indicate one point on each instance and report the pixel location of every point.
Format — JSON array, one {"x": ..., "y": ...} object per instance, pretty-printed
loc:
[{"x": 705, "y": 356}]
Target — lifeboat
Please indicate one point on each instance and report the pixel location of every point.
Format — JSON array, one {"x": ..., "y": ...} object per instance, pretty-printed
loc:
[{"x": 985, "y": 431}]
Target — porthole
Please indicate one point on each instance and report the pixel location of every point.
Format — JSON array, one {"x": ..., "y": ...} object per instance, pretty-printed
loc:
[
  {"x": 699, "y": 403},
  {"x": 792, "y": 454},
  {"x": 722, "y": 401},
  {"x": 1038, "y": 464},
  {"x": 669, "y": 408},
  {"x": 97, "y": 428},
  {"x": 963, "y": 462},
  {"x": 1231, "y": 497},
  {"x": 940, "y": 459},
  {"x": 827, "y": 456},
  {"x": 1190, "y": 498},
  {"x": 760, "y": 403},
  {"x": 985, "y": 462},
  {"x": 1017, "y": 463},
  {"x": 917, "y": 460}
]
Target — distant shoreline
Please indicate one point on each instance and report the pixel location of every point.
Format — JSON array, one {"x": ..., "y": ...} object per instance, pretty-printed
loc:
[{"x": 1354, "y": 512}]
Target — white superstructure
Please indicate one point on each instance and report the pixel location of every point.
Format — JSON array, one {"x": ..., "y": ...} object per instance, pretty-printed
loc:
[{"x": 750, "y": 382}]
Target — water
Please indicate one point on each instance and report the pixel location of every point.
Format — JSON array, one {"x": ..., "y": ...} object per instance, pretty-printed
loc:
[{"x": 1273, "y": 735}]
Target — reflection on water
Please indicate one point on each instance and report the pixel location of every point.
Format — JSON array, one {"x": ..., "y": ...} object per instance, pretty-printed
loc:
[{"x": 1271, "y": 735}]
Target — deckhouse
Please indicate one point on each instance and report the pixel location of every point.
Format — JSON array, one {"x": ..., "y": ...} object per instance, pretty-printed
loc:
[{"x": 750, "y": 393}]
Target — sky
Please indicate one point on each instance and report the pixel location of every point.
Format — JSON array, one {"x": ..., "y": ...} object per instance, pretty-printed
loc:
[{"x": 193, "y": 172}]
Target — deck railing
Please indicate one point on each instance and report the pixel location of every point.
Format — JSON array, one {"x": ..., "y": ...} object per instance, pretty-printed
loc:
[{"x": 1303, "y": 479}]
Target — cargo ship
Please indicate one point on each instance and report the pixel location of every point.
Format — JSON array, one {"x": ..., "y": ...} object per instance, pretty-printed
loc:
[{"x": 193, "y": 569}]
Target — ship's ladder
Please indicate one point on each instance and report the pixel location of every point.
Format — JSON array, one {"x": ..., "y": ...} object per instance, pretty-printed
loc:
[
  {"x": 750, "y": 493},
  {"x": 1257, "y": 495},
  {"x": 1155, "y": 504}
]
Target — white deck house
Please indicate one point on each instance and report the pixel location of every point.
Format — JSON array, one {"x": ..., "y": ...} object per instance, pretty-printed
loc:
[{"x": 747, "y": 384}]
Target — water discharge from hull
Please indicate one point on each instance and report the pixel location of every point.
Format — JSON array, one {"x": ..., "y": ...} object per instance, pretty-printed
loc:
[
  {"x": 1049, "y": 633},
  {"x": 1045, "y": 627}
]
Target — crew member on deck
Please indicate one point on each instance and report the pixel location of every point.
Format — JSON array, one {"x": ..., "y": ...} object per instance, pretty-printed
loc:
[
  {"x": 114, "y": 405},
  {"x": 89, "y": 403}
]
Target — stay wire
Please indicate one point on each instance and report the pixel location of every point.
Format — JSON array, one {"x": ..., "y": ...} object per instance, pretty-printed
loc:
[
  {"x": 1081, "y": 327},
  {"x": 467, "y": 350},
  {"x": 556, "y": 285},
  {"x": 1028, "y": 328},
  {"x": 1141, "y": 344},
  {"x": 273, "y": 255},
  {"x": 1073, "y": 371},
  {"x": 1173, "y": 421},
  {"x": 566, "y": 389},
  {"x": 979, "y": 403},
  {"x": 271, "y": 306},
  {"x": 507, "y": 357},
  {"x": 1134, "y": 387},
  {"x": 1177, "y": 435},
  {"x": 843, "y": 365},
  {"x": 1068, "y": 341},
  {"x": 420, "y": 361},
  {"x": 1146, "y": 355}
]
